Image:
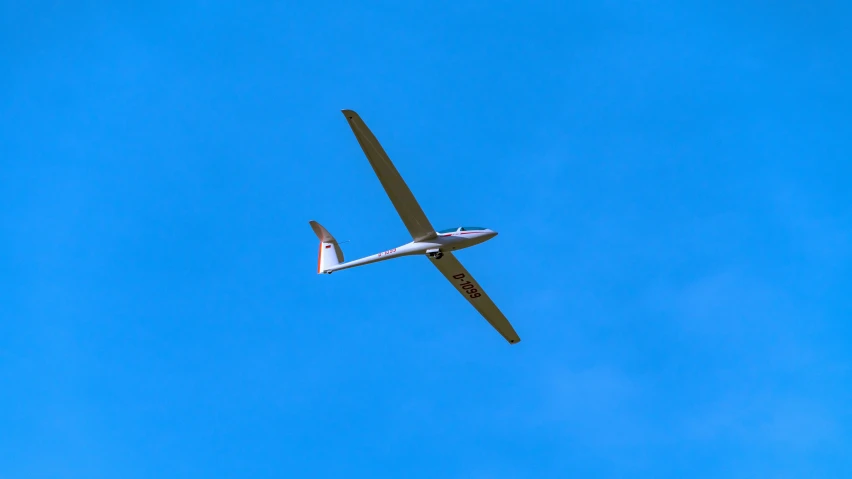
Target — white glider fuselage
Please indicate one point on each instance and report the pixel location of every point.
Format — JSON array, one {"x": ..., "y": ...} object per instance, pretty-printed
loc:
[{"x": 446, "y": 241}]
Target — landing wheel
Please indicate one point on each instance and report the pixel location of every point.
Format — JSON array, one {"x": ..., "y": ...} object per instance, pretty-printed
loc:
[{"x": 437, "y": 255}]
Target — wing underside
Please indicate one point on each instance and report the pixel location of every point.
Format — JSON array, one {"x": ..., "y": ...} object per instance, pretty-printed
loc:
[
  {"x": 404, "y": 202},
  {"x": 453, "y": 270}
]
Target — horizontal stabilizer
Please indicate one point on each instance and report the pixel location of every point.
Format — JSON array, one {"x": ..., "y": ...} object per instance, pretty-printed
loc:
[{"x": 321, "y": 232}]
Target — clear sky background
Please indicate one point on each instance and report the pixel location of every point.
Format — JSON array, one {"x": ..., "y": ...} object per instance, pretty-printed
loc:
[{"x": 670, "y": 181}]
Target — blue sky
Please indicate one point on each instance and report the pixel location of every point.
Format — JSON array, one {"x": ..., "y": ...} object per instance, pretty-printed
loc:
[{"x": 670, "y": 182}]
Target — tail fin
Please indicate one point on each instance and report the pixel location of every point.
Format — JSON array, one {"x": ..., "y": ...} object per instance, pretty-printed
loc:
[{"x": 330, "y": 254}]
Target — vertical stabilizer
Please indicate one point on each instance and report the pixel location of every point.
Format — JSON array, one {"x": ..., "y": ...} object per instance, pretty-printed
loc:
[{"x": 330, "y": 254}]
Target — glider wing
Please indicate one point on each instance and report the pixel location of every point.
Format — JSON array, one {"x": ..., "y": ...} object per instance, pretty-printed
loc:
[
  {"x": 407, "y": 207},
  {"x": 453, "y": 270}
]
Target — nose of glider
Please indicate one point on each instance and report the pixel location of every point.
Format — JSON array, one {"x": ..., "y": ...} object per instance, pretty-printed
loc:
[{"x": 490, "y": 233}]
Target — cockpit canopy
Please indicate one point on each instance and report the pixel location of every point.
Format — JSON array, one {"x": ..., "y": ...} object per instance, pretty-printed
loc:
[{"x": 461, "y": 228}]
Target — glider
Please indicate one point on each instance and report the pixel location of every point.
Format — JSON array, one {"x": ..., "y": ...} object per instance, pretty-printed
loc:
[{"x": 436, "y": 245}]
